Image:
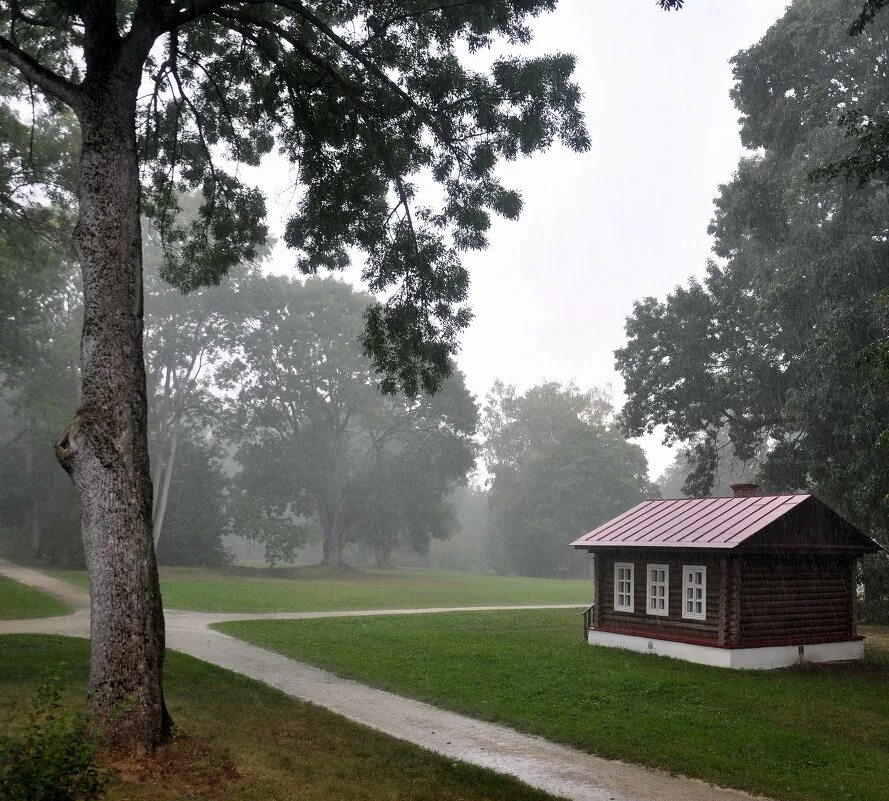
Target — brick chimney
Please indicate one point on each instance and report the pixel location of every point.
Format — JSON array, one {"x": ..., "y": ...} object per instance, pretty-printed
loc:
[{"x": 745, "y": 490}]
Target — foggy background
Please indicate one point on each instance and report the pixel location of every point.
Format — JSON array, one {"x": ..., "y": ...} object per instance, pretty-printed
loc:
[{"x": 599, "y": 230}]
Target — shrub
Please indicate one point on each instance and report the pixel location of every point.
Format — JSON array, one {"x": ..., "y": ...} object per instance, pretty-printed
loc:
[{"x": 53, "y": 759}]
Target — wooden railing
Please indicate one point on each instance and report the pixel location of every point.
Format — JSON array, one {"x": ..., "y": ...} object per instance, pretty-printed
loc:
[{"x": 587, "y": 620}]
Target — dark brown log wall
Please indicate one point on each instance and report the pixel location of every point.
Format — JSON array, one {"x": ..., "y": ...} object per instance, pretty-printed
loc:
[
  {"x": 673, "y": 627},
  {"x": 794, "y": 600},
  {"x": 598, "y": 594}
]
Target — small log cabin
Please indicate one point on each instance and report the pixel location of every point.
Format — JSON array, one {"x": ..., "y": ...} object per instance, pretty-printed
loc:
[{"x": 750, "y": 581}]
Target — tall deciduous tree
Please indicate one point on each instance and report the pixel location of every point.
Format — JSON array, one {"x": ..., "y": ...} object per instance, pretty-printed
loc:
[
  {"x": 185, "y": 335},
  {"x": 767, "y": 347},
  {"x": 318, "y": 439},
  {"x": 559, "y": 469},
  {"x": 363, "y": 96}
]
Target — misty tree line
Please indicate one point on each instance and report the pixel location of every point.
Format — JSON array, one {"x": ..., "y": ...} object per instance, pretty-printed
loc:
[{"x": 267, "y": 421}]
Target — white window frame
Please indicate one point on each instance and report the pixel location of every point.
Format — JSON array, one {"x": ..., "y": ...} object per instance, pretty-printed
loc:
[
  {"x": 618, "y": 607},
  {"x": 651, "y": 583},
  {"x": 687, "y": 585}
]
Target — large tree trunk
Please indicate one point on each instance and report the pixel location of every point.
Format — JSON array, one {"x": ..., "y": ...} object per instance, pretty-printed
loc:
[
  {"x": 332, "y": 547},
  {"x": 105, "y": 449}
]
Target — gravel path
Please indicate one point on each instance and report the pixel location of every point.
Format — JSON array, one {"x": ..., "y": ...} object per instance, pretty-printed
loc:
[{"x": 557, "y": 769}]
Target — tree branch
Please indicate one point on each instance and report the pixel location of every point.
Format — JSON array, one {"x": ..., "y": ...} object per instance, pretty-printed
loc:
[
  {"x": 297, "y": 7},
  {"x": 48, "y": 81}
]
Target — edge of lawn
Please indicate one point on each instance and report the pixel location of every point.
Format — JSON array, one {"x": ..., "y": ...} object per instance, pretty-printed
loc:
[{"x": 20, "y": 602}]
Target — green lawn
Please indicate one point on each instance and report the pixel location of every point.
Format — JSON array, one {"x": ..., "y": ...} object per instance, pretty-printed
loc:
[
  {"x": 19, "y": 601},
  {"x": 314, "y": 589},
  {"x": 244, "y": 741},
  {"x": 814, "y": 733}
]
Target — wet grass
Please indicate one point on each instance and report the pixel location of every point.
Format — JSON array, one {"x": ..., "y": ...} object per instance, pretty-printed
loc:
[
  {"x": 18, "y": 601},
  {"x": 813, "y": 734},
  {"x": 245, "y": 589},
  {"x": 244, "y": 741}
]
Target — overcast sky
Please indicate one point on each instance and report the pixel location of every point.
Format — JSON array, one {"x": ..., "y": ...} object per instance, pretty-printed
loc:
[{"x": 625, "y": 220}]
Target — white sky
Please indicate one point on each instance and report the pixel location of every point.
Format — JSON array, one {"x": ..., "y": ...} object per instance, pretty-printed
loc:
[{"x": 626, "y": 220}]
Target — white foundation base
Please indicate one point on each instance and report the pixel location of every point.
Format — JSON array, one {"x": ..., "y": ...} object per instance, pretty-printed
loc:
[{"x": 739, "y": 658}]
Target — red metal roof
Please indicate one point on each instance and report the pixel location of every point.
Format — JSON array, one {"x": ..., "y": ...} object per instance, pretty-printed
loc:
[{"x": 691, "y": 522}]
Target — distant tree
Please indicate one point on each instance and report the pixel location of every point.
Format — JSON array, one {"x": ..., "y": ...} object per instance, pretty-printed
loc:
[
  {"x": 559, "y": 470},
  {"x": 36, "y": 175},
  {"x": 515, "y": 425},
  {"x": 317, "y": 438},
  {"x": 196, "y": 520},
  {"x": 768, "y": 347},
  {"x": 689, "y": 476},
  {"x": 39, "y": 379},
  {"x": 671, "y": 482},
  {"x": 185, "y": 335},
  {"x": 467, "y": 548}
]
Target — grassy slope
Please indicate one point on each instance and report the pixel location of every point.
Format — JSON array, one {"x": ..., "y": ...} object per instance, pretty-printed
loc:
[
  {"x": 19, "y": 601},
  {"x": 245, "y": 741},
  {"x": 303, "y": 589},
  {"x": 817, "y": 733}
]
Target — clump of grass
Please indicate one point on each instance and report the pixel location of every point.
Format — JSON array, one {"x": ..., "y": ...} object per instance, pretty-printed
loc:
[{"x": 53, "y": 758}]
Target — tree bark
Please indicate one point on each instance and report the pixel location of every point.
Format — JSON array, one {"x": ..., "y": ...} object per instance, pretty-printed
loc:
[
  {"x": 105, "y": 449},
  {"x": 332, "y": 548},
  {"x": 333, "y": 545}
]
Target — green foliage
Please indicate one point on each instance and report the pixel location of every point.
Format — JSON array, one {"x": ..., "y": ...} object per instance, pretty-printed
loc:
[
  {"x": 53, "y": 759},
  {"x": 690, "y": 476},
  {"x": 767, "y": 347},
  {"x": 867, "y": 15},
  {"x": 364, "y": 98},
  {"x": 38, "y": 389},
  {"x": 812, "y": 734},
  {"x": 317, "y": 439},
  {"x": 196, "y": 518},
  {"x": 467, "y": 547},
  {"x": 559, "y": 470}
]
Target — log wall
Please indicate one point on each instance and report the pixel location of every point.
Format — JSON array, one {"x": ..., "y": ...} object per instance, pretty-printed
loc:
[{"x": 796, "y": 600}]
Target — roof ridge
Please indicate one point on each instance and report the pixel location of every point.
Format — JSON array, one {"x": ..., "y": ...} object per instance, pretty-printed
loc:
[{"x": 734, "y": 497}]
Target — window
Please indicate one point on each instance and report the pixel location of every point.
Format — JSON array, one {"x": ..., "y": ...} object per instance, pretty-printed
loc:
[
  {"x": 694, "y": 592},
  {"x": 623, "y": 587},
  {"x": 658, "y": 584}
]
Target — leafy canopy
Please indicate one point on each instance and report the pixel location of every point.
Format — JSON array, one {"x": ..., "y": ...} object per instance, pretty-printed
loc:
[
  {"x": 559, "y": 469},
  {"x": 317, "y": 440},
  {"x": 368, "y": 99},
  {"x": 767, "y": 348}
]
